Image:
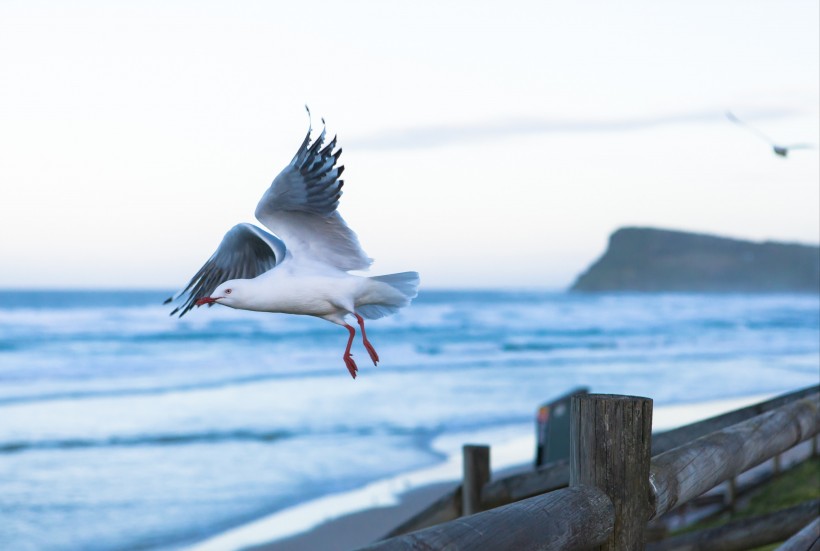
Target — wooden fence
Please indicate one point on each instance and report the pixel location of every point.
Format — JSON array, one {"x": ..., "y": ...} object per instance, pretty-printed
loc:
[{"x": 615, "y": 484}]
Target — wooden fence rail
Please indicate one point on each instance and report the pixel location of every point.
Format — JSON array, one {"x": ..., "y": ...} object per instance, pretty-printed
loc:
[
  {"x": 665, "y": 441},
  {"x": 614, "y": 490},
  {"x": 744, "y": 533},
  {"x": 689, "y": 470},
  {"x": 572, "y": 518},
  {"x": 555, "y": 475},
  {"x": 807, "y": 539}
]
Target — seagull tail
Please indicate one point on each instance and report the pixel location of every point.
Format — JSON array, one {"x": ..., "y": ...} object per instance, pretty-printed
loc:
[{"x": 396, "y": 293}]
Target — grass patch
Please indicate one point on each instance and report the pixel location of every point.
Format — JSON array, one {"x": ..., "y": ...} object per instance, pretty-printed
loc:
[{"x": 789, "y": 488}]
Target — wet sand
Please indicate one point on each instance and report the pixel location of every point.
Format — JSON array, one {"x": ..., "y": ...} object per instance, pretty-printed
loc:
[{"x": 358, "y": 529}]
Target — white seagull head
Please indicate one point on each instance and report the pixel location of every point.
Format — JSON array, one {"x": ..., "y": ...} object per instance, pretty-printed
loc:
[{"x": 229, "y": 294}]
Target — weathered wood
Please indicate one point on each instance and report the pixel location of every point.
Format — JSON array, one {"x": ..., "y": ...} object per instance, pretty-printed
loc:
[
  {"x": 610, "y": 442},
  {"x": 742, "y": 534},
  {"x": 556, "y": 475},
  {"x": 807, "y": 539},
  {"x": 495, "y": 493},
  {"x": 476, "y": 475},
  {"x": 444, "y": 509},
  {"x": 572, "y": 518},
  {"x": 731, "y": 493},
  {"x": 689, "y": 470},
  {"x": 666, "y": 440},
  {"x": 777, "y": 467},
  {"x": 551, "y": 476}
]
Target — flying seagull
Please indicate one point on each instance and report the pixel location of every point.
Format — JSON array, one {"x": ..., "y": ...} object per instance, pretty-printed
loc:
[
  {"x": 782, "y": 150},
  {"x": 302, "y": 267}
]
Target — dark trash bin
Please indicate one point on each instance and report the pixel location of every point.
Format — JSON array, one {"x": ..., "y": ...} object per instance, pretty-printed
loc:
[{"x": 552, "y": 428}]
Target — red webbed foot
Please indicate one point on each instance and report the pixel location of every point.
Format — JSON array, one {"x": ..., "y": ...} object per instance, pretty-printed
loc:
[
  {"x": 350, "y": 364},
  {"x": 372, "y": 351}
]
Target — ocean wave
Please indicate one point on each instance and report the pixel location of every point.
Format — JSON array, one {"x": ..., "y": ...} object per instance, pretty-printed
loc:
[
  {"x": 225, "y": 332},
  {"x": 550, "y": 346},
  {"x": 421, "y": 435},
  {"x": 154, "y": 390},
  {"x": 144, "y": 440},
  {"x": 471, "y": 355},
  {"x": 224, "y": 415}
]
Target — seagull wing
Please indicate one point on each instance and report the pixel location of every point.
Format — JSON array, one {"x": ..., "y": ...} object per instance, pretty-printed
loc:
[
  {"x": 300, "y": 207},
  {"x": 752, "y": 129},
  {"x": 245, "y": 252}
]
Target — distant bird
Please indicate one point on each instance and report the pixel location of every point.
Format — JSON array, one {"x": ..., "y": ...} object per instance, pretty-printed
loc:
[
  {"x": 782, "y": 150},
  {"x": 303, "y": 269}
]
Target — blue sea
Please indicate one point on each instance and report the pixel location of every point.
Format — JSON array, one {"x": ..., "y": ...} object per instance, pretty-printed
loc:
[{"x": 122, "y": 428}]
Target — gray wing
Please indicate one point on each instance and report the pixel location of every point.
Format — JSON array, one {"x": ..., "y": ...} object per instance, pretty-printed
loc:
[
  {"x": 300, "y": 207},
  {"x": 731, "y": 116},
  {"x": 244, "y": 253}
]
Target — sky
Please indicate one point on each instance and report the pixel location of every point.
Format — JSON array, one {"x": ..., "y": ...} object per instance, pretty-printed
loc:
[{"x": 486, "y": 144}]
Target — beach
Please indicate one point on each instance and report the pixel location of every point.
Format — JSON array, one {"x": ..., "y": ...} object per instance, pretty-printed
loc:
[
  {"x": 362, "y": 528},
  {"x": 228, "y": 430},
  {"x": 352, "y": 531}
]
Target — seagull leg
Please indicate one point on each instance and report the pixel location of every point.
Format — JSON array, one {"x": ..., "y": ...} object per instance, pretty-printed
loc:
[
  {"x": 348, "y": 358},
  {"x": 370, "y": 350}
]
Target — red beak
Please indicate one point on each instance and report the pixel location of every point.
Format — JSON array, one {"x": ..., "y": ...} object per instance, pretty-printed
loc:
[{"x": 205, "y": 300}]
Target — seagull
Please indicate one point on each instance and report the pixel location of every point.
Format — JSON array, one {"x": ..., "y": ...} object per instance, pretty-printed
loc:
[
  {"x": 782, "y": 150},
  {"x": 303, "y": 266}
]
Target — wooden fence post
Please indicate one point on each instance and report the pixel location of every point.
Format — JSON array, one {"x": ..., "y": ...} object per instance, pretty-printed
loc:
[
  {"x": 731, "y": 493},
  {"x": 476, "y": 475},
  {"x": 610, "y": 443}
]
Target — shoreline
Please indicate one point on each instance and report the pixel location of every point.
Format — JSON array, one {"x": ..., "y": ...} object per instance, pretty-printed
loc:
[
  {"x": 360, "y": 528},
  {"x": 390, "y": 502}
]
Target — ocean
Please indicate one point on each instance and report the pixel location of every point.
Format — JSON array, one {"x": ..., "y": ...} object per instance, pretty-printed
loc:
[{"x": 122, "y": 428}]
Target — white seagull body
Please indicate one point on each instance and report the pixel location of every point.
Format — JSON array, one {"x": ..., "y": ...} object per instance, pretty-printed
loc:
[{"x": 303, "y": 268}]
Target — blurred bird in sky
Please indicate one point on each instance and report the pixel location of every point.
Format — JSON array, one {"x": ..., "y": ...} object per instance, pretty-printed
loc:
[
  {"x": 781, "y": 150},
  {"x": 302, "y": 268}
]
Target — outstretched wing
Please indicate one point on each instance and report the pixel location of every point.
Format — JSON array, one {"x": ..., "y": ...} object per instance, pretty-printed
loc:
[
  {"x": 731, "y": 116},
  {"x": 245, "y": 252},
  {"x": 300, "y": 207}
]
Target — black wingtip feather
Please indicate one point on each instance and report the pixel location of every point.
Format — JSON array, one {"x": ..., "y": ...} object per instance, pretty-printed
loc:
[{"x": 328, "y": 148}]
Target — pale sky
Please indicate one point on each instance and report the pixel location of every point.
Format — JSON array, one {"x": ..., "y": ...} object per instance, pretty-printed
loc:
[{"x": 486, "y": 144}]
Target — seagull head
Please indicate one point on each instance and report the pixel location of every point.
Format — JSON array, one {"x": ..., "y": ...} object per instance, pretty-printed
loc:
[{"x": 227, "y": 293}]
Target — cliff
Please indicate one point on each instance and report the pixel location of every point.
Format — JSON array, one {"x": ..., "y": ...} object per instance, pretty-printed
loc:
[{"x": 655, "y": 260}]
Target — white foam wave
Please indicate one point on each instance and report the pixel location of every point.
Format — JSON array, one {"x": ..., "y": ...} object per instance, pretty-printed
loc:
[{"x": 511, "y": 445}]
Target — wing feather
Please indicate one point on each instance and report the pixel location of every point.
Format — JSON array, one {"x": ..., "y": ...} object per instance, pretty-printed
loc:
[
  {"x": 244, "y": 253},
  {"x": 301, "y": 207}
]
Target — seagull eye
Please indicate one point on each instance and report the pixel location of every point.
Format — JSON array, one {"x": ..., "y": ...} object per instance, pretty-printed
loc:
[{"x": 227, "y": 291}]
